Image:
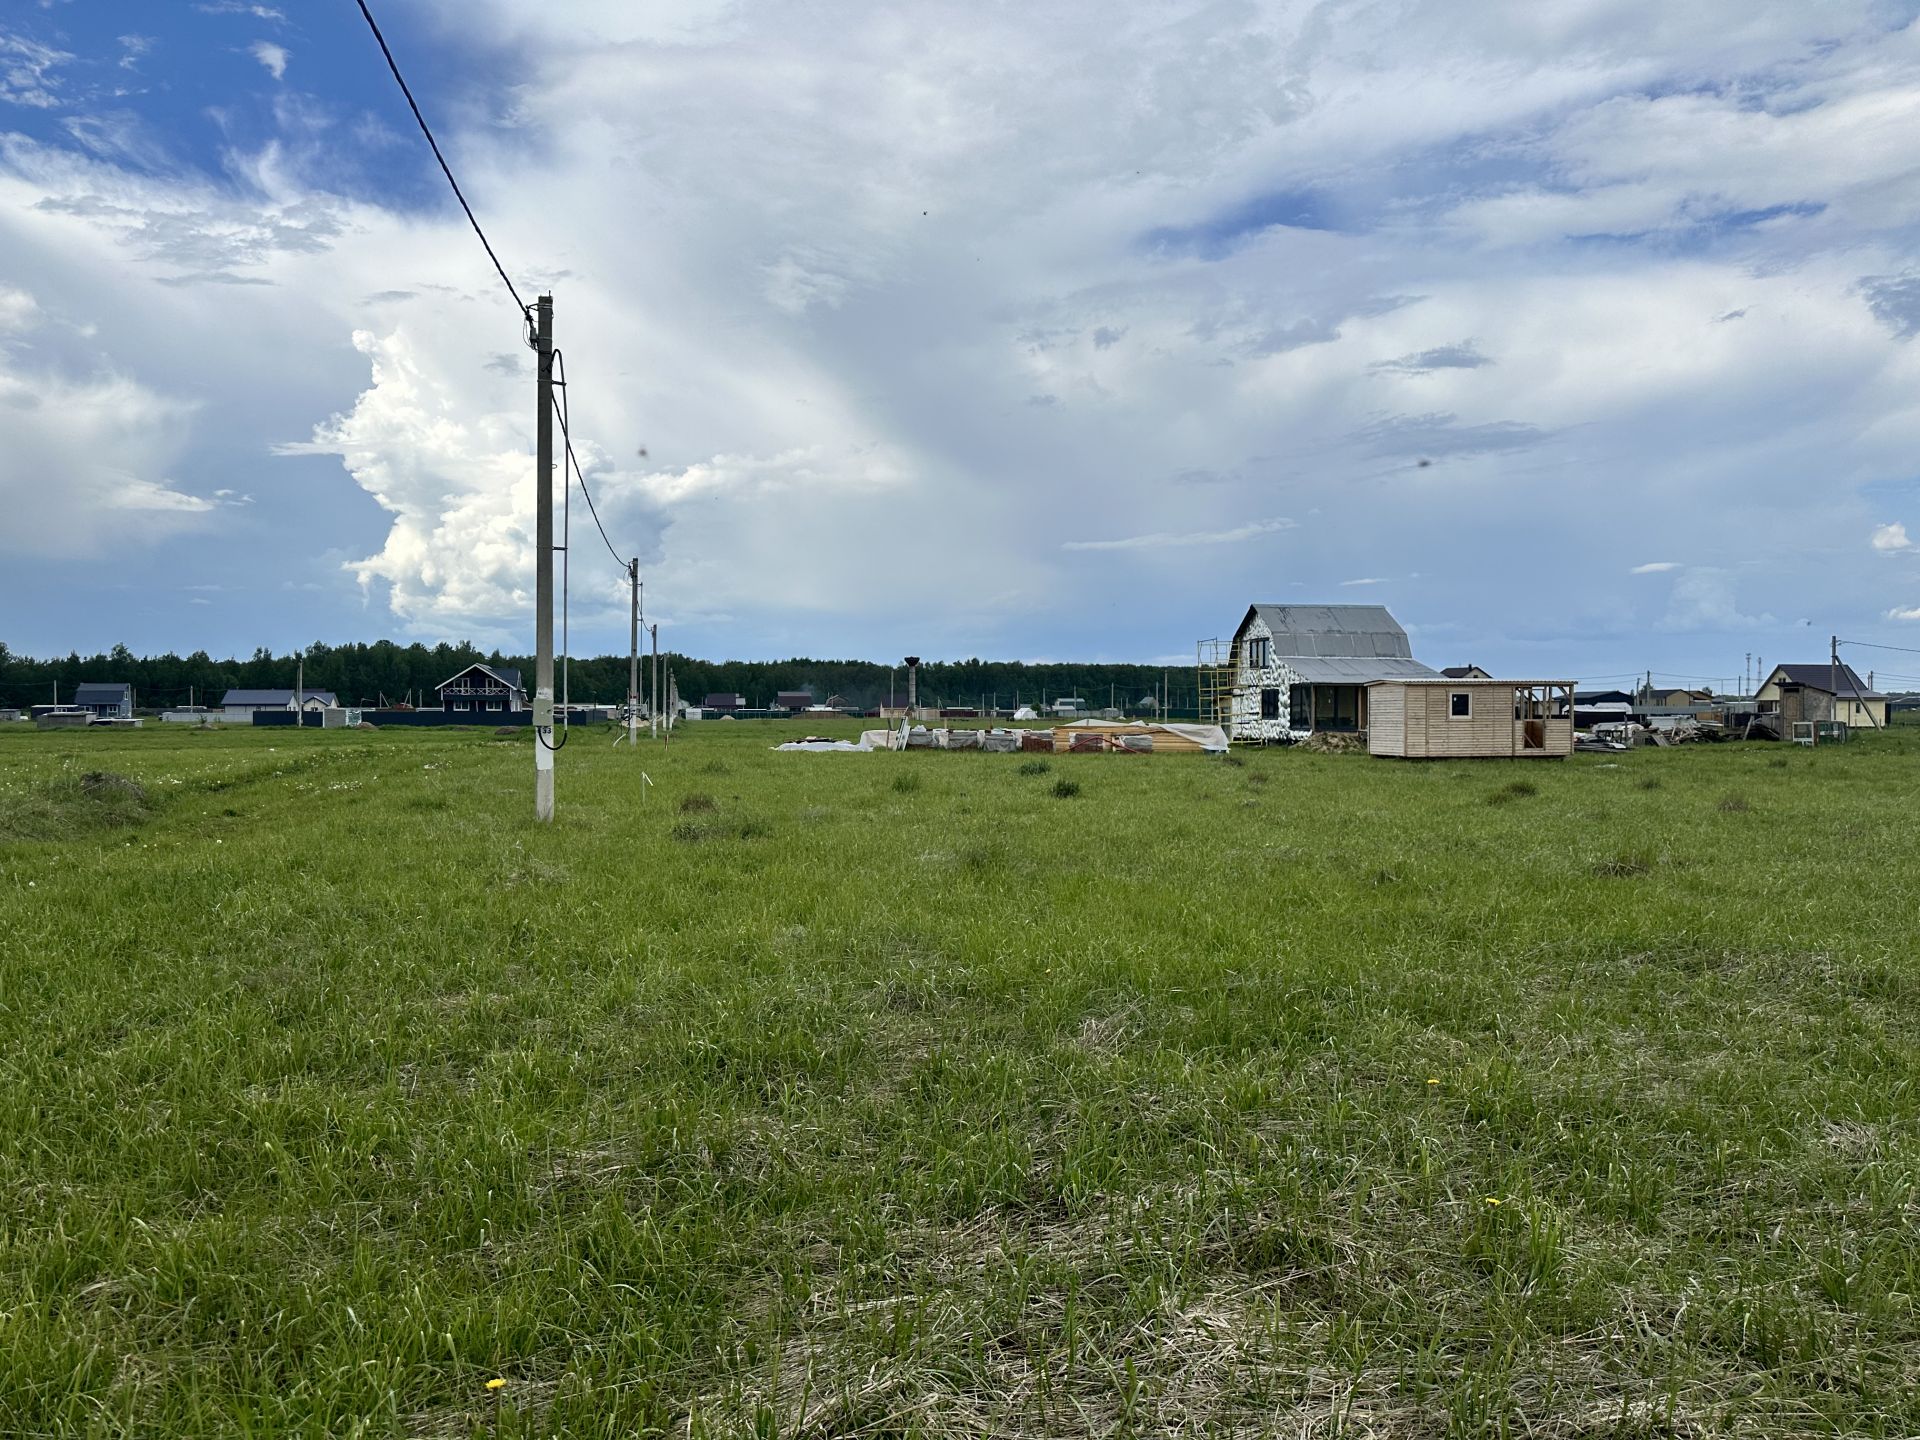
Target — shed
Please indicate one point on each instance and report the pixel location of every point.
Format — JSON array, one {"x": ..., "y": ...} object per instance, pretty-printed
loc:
[{"x": 1438, "y": 718}]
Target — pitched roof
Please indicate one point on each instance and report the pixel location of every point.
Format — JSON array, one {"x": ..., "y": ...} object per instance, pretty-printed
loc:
[
  {"x": 1822, "y": 678},
  {"x": 722, "y": 700},
  {"x": 102, "y": 693},
  {"x": 507, "y": 677},
  {"x": 1462, "y": 672},
  {"x": 1346, "y": 631},
  {"x": 269, "y": 698},
  {"x": 1355, "y": 669}
]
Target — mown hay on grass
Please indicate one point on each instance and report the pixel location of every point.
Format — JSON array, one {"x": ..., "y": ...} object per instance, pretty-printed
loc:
[{"x": 62, "y": 807}]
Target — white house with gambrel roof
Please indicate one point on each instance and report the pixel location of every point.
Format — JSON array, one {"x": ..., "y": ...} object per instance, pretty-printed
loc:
[{"x": 1298, "y": 669}]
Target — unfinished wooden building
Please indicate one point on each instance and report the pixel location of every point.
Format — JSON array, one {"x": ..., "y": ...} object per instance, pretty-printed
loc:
[{"x": 1444, "y": 719}]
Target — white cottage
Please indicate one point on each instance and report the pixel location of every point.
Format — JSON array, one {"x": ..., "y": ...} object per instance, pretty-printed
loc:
[{"x": 1297, "y": 669}]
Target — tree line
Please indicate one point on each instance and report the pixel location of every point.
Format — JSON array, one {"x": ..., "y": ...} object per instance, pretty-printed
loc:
[{"x": 383, "y": 673}]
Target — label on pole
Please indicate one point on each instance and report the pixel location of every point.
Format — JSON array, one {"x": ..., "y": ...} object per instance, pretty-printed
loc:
[{"x": 543, "y": 748}]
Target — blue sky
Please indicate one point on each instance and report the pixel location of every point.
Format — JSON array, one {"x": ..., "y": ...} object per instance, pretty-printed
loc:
[{"x": 1583, "y": 336}]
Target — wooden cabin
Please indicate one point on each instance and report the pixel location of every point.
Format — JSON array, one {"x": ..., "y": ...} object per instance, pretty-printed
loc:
[{"x": 1443, "y": 719}]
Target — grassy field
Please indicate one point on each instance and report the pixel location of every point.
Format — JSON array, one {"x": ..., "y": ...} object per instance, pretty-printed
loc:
[{"x": 954, "y": 1094}]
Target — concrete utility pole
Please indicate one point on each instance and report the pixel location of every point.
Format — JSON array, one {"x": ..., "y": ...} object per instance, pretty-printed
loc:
[
  {"x": 913, "y": 686},
  {"x": 633, "y": 652},
  {"x": 300, "y": 692},
  {"x": 543, "y": 562},
  {"x": 653, "y": 709}
]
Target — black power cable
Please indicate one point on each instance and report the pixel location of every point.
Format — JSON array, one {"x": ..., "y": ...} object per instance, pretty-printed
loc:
[{"x": 445, "y": 169}]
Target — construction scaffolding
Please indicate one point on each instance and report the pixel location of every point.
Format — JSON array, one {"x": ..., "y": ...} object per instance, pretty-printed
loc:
[{"x": 1218, "y": 675}]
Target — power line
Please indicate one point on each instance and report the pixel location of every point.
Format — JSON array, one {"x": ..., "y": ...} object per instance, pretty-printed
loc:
[
  {"x": 1870, "y": 645},
  {"x": 592, "y": 509},
  {"x": 445, "y": 169}
]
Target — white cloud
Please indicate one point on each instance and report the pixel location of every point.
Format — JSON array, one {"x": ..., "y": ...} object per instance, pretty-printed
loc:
[
  {"x": 27, "y": 72},
  {"x": 1370, "y": 580},
  {"x": 1163, "y": 540},
  {"x": 1703, "y": 600},
  {"x": 1908, "y": 613},
  {"x": 272, "y": 57},
  {"x": 1891, "y": 537},
  {"x": 1655, "y": 567},
  {"x": 86, "y": 464},
  {"x": 870, "y": 247},
  {"x": 457, "y": 484}
]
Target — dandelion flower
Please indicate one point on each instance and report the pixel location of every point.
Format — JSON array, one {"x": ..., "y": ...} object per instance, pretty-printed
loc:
[
  {"x": 1433, "y": 1082},
  {"x": 1493, "y": 1199},
  {"x": 496, "y": 1383}
]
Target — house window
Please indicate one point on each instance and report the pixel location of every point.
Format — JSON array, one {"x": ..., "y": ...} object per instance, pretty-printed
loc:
[
  {"x": 493, "y": 705},
  {"x": 1270, "y": 704},
  {"x": 460, "y": 705},
  {"x": 1460, "y": 704},
  {"x": 1299, "y": 716}
]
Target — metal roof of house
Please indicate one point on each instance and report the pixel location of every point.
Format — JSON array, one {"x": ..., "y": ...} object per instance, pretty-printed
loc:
[
  {"x": 275, "y": 697},
  {"x": 1334, "y": 631},
  {"x": 507, "y": 677},
  {"x": 1355, "y": 670},
  {"x": 722, "y": 700},
  {"x": 101, "y": 693},
  {"x": 1821, "y": 678}
]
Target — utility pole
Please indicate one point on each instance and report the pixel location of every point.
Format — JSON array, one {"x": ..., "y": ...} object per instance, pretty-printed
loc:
[
  {"x": 633, "y": 652},
  {"x": 653, "y": 709},
  {"x": 1833, "y": 674},
  {"x": 300, "y": 692},
  {"x": 543, "y": 562}
]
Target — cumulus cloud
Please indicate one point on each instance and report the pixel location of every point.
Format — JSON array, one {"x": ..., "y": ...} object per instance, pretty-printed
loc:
[
  {"x": 1891, "y": 538},
  {"x": 1655, "y": 567},
  {"x": 457, "y": 484},
  {"x": 1906, "y": 613}
]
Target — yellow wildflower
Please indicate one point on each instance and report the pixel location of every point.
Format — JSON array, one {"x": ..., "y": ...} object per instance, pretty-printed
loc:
[{"x": 496, "y": 1383}]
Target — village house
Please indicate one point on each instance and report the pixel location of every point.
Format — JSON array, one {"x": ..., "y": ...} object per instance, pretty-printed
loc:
[
  {"x": 483, "y": 689},
  {"x": 1813, "y": 694},
  {"x": 239, "y": 706},
  {"x": 793, "y": 700},
  {"x": 1297, "y": 670},
  {"x": 1465, "y": 672},
  {"x": 104, "y": 701}
]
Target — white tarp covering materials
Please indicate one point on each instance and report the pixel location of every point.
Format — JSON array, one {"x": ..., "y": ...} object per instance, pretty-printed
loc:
[
  {"x": 1026, "y": 712},
  {"x": 1139, "y": 737},
  {"x": 820, "y": 744},
  {"x": 1210, "y": 738}
]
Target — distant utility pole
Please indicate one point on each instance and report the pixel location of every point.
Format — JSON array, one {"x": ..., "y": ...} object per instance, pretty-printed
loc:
[
  {"x": 300, "y": 692},
  {"x": 633, "y": 652},
  {"x": 653, "y": 706},
  {"x": 543, "y": 562}
]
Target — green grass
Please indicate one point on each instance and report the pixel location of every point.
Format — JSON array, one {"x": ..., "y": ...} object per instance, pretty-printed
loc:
[{"x": 896, "y": 1095}]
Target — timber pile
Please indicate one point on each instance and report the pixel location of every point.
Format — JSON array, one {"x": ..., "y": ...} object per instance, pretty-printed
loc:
[{"x": 1163, "y": 739}]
